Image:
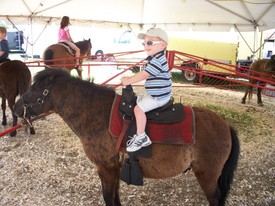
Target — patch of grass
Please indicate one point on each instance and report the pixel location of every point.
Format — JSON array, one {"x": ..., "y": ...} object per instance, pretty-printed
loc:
[
  {"x": 177, "y": 77},
  {"x": 230, "y": 115}
]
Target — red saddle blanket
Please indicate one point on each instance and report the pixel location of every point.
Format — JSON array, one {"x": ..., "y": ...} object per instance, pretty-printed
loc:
[{"x": 176, "y": 133}]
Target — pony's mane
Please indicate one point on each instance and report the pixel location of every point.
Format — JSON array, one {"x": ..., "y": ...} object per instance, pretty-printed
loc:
[
  {"x": 61, "y": 75},
  {"x": 50, "y": 73}
]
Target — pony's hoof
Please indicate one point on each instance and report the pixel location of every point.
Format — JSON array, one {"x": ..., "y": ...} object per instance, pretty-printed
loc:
[
  {"x": 13, "y": 134},
  {"x": 32, "y": 131}
]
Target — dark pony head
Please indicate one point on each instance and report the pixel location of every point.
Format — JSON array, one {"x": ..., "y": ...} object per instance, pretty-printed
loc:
[
  {"x": 85, "y": 47},
  {"x": 51, "y": 85},
  {"x": 270, "y": 64}
]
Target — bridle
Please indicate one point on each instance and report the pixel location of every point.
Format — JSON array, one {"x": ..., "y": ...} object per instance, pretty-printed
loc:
[{"x": 39, "y": 101}]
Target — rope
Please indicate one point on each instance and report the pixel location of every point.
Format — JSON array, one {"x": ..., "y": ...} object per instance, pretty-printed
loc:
[
  {"x": 24, "y": 123},
  {"x": 10, "y": 130}
]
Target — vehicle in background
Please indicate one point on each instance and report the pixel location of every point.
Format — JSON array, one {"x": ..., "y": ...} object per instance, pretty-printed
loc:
[
  {"x": 219, "y": 51},
  {"x": 15, "y": 40}
]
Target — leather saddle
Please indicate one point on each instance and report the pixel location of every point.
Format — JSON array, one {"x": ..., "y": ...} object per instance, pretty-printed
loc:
[
  {"x": 169, "y": 113},
  {"x": 67, "y": 47}
]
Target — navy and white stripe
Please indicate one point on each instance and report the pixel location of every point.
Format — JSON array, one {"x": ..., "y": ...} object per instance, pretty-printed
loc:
[{"x": 159, "y": 83}]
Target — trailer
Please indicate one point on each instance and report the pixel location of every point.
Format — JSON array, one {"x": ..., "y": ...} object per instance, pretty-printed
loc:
[{"x": 201, "y": 52}]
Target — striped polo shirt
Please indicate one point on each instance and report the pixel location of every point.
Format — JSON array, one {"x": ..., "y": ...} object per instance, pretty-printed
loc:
[{"x": 159, "y": 83}]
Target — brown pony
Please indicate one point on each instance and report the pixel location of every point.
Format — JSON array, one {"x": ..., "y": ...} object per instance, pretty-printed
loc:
[
  {"x": 15, "y": 79},
  {"x": 212, "y": 157},
  {"x": 264, "y": 69},
  {"x": 64, "y": 57}
]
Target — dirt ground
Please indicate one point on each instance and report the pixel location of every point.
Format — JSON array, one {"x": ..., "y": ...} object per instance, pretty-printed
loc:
[{"x": 51, "y": 169}]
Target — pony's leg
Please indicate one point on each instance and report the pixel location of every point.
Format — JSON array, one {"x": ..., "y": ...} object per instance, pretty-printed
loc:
[
  {"x": 110, "y": 185},
  {"x": 32, "y": 131},
  {"x": 11, "y": 102},
  {"x": 117, "y": 197},
  {"x": 15, "y": 118},
  {"x": 208, "y": 180},
  {"x": 215, "y": 174},
  {"x": 245, "y": 95},
  {"x": 259, "y": 95},
  {"x": 80, "y": 69},
  {"x": 3, "y": 105},
  {"x": 79, "y": 72}
]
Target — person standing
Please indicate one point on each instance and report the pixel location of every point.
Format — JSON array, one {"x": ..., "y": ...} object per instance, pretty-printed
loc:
[
  {"x": 4, "y": 46},
  {"x": 65, "y": 36},
  {"x": 158, "y": 84}
]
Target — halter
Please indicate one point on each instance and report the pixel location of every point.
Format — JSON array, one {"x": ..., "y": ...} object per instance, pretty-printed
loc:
[{"x": 39, "y": 101}]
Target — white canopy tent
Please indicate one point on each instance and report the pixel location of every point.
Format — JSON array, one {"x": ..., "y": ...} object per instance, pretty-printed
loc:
[
  {"x": 200, "y": 15},
  {"x": 173, "y": 15}
]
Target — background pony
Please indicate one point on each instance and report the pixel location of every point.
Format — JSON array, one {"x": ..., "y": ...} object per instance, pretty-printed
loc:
[
  {"x": 63, "y": 56},
  {"x": 263, "y": 68},
  {"x": 15, "y": 79}
]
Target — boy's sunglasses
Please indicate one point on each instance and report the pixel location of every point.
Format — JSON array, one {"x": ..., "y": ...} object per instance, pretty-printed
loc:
[{"x": 150, "y": 43}]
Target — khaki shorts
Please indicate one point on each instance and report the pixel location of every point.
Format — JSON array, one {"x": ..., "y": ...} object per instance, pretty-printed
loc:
[{"x": 147, "y": 102}]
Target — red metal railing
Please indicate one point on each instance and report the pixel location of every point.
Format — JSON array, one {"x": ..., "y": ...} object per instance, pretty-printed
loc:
[{"x": 217, "y": 71}]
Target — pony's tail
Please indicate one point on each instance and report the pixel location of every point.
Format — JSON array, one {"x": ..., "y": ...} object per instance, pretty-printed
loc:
[
  {"x": 227, "y": 174},
  {"x": 48, "y": 56}
]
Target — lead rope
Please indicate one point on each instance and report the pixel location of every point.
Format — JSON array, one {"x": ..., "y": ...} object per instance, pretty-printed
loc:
[{"x": 24, "y": 123}]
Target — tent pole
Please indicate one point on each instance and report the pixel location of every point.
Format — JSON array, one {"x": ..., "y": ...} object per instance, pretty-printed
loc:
[
  {"x": 48, "y": 22},
  {"x": 260, "y": 49},
  {"x": 32, "y": 37},
  {"x": 243, "y": 38},
  {"x": 254, "y": 43}
]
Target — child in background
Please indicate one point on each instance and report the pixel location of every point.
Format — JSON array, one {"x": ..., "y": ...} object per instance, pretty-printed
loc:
[
  {"x": 4, "y": 46},
  {"x": 64, "y": 36}
]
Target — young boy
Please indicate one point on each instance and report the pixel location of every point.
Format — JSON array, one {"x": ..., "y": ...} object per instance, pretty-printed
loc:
[
  {"x": 4, "y": 46},
  {"x": 158, "y": 84}
]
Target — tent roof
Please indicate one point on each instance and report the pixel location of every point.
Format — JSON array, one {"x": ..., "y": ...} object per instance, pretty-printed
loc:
[{"x": 200, "y": 15}]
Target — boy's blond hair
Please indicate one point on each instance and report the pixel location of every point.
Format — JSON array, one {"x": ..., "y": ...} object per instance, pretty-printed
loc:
[{"x": 3, "y": 30}]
